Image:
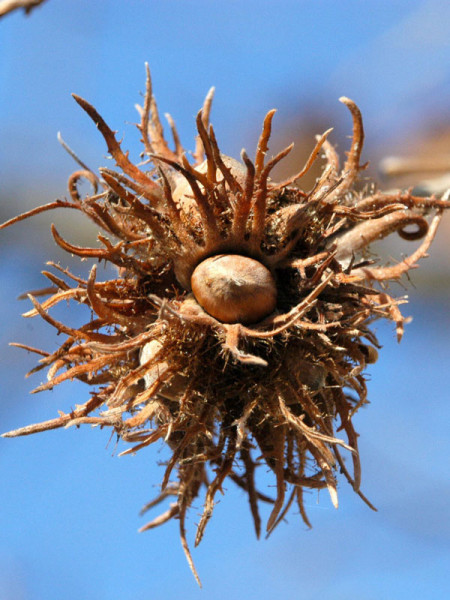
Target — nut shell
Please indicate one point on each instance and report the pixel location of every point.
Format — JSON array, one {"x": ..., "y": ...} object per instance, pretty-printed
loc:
[{"x": 234, "y": 288}]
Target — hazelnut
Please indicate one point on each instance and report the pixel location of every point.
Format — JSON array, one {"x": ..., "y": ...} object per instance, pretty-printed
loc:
[{"x": 234, "y": 288}]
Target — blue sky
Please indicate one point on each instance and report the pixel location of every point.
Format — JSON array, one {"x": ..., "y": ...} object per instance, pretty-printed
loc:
[{"x": 69, "y": 505}]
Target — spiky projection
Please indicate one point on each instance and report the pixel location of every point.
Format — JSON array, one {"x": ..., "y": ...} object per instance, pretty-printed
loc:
[{"x": 238, "y": 327}]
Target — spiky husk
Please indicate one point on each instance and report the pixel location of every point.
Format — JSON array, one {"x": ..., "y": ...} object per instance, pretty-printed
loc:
[{"x": 228, "y": 398}]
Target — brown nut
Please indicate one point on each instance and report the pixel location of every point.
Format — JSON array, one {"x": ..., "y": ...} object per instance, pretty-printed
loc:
[{"x": 234, "y": 288}]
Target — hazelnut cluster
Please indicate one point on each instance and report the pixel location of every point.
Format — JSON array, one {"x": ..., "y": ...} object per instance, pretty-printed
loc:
[{"x": 238, "y": 328}]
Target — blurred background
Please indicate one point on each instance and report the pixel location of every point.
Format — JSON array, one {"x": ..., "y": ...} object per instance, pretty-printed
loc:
[{"x": 69, "y": 506}]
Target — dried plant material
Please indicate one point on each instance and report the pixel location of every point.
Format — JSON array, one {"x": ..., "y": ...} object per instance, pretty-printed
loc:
[
  {"x": 238, "y": 327},
  {"x": 8, "y": 6}
]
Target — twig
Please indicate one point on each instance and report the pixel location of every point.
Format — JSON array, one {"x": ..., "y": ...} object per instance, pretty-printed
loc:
[{"x": 8, "y": 6}]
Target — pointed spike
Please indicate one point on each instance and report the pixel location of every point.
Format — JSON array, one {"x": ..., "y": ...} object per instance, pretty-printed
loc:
[
  {"x": 352, "y": 163},
  {"x": 262, "y": 146},
  {"x": 312, "y": 157}
]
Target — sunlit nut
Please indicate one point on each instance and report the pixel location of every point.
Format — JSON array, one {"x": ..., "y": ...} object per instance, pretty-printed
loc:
[
  {"x": 234, "y": 288},
  {"x": 182, "y": 193}
]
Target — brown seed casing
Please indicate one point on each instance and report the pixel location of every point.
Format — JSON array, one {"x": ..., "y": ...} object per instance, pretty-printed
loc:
[{"x": 234, "y": 289}]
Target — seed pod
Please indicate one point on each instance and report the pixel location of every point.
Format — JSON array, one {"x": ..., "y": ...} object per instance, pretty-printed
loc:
[
  {"x": 180, "y": 366},
  {"x": 234, "y": 288}
]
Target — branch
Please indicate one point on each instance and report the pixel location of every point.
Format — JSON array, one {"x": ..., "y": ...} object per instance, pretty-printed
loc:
[{"x": 8, "y": 6}]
